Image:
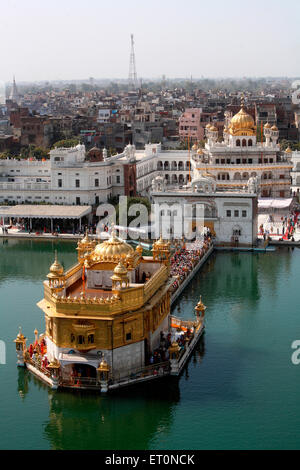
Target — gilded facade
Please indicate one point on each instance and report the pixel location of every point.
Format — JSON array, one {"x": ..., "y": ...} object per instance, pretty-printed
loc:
[{"x": 114, "y": 298}]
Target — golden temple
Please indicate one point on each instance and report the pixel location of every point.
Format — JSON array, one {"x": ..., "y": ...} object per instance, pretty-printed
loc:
[{"x": 106, "y": 317}]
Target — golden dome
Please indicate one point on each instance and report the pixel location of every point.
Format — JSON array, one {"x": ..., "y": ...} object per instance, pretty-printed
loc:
[
  {"x": 213, "y": 128},
  {"x": 139, "y": 249},
  {"x": 56, "y": 268},
  {"x": 242, "y": 123},
  {"x": 194, "y": 147},
  {"x": 288, "y": 150},
  {"x": 274, "y": 128},
  {"x": 161, "y": 242},
  {"x": 200, "y": 305},
  {"x": 103, "y": 367},
  {"x": 200, "y": 152},
  {"x": 208, "y": 126},
  {"x": 113, "y": 247},
  {"x": 20, "y": 336},
  {"x": 120, "y": 269},
  {"x": 267, "y": 125},
  {"x": 85, "y": 239}
]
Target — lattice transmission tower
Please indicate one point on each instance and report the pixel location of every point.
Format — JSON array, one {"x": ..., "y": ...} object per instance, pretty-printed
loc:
[{"x": 132, "y": 78}]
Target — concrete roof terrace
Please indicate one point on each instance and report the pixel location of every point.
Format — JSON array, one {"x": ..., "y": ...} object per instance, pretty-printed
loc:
[{"x": 45, "y": 211}]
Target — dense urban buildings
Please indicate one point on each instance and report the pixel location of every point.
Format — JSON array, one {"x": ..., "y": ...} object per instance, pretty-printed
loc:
[{"x": 86, "y": 144}]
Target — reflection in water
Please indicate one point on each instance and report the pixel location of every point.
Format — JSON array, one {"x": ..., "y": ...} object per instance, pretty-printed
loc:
[
  {"x": 240, "y": 369},
  {"x": 124, "y": 420},
  {"x": 196, "y": 358},
  {"x": 23, "y": 382},
  {"x": 15, "y": 255}
]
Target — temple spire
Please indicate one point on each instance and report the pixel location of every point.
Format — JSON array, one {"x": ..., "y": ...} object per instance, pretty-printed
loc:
[{"x": 14, "y": 95}]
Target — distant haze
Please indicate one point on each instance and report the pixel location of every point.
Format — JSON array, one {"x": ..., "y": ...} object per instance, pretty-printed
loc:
[{"x": 72, "y": 39}]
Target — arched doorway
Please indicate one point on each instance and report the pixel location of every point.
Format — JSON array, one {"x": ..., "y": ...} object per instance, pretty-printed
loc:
[{"x": 84, "y": 370}]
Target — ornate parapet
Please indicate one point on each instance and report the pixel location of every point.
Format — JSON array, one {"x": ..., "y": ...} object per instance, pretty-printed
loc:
[{"x": 155, "y": 282}]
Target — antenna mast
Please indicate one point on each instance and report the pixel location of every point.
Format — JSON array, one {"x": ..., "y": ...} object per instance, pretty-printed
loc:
[{"x": 132, "y": 79}]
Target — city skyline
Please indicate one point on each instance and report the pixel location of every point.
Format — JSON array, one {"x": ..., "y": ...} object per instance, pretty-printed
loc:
[{"x": 76, "y": 43}]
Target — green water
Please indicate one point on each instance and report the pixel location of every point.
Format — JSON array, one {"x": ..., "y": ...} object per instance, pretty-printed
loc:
[{"x": 240, "y": 390}]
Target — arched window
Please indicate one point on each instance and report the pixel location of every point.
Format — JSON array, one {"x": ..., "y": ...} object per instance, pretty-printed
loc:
[
  {"x": 238, "y": 143},
  {"x": 250, "y": 143},
  {"x": 237, "y": 232},
  {"x": 244, "y": 143},
  {"x": 91, "y": 339},
  {"x": 72, "y": 338},
  {"x": 80, "y": 339}
]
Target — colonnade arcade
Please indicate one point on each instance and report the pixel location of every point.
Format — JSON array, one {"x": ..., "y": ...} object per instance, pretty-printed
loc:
[{"x": 173, "y": 165}]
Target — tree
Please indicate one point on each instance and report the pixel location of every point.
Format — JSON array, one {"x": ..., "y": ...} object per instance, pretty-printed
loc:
[
  {"x": 67, "y": 143},
  {"x": 284, "y": 144},
  {"x": 130, "y": 201},
  {"x": 40, "y": 152},
  {"x": 4, "y": 155}
]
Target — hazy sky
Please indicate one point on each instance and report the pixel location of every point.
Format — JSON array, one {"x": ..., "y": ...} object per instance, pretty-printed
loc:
[{"x": 76, "y": 39}]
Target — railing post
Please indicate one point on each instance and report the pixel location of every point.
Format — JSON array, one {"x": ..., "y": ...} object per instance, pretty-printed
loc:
[{"x": 174, "y": 350}]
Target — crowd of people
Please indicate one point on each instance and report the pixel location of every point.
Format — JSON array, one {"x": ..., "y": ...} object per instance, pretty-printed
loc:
[
  {"x": 184, "y": 260},
  {"x": 181, "y": 336},
  {"x": 284, "y": 227},
  {"x": 37, "y": 352}
]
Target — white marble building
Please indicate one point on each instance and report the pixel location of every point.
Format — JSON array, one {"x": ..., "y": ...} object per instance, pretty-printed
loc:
[
  {"x": 67, "y": 178},
  {"x": 295, "y": 159},
  {"x": 239, "y": 156},
  {"x": 172, "y": 165},
  {"x": 230, "y": 216}
]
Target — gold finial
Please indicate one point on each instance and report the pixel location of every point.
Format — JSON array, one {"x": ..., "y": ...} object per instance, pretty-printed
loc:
[
  {"x": 200, "y": 307},
  {"x": 86, "y": 236},
  {"x": 20, "y": 336},
  {"x": 56, "y": 267},
  {"x": 139, "y": 248},
  {"x": 36, "y": 335}
]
